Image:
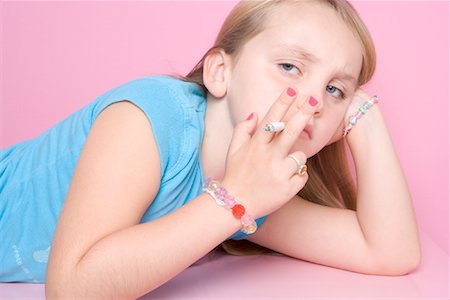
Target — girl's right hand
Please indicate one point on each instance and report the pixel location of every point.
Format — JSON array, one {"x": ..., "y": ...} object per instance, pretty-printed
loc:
[{"x": 259, "y": 173}]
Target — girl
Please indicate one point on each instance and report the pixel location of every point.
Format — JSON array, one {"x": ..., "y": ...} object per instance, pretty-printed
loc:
[{"x": 122, "y": 186}]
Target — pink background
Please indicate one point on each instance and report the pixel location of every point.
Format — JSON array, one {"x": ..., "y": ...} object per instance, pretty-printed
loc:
[{"x": 58, "y": 56}]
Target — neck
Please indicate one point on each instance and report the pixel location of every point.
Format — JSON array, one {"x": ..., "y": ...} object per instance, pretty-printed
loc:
[{"x": 217, "y": 137}]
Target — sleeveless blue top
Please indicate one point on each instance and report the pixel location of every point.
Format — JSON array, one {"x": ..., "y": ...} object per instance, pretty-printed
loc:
[{"x": 35, "y": 174}]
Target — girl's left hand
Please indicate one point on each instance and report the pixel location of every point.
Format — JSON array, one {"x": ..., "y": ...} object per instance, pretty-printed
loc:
[{"x": 359, "y": 98}]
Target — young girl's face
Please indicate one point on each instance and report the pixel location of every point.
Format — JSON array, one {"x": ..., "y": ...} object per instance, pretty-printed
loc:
[{"x": 305, "y": 46}]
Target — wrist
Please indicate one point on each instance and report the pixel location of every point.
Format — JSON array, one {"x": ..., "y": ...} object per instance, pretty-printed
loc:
[
  {"x": 368, "y": 136},
  {"x": 366, "y": 126},
  {"x": 240, "y": 192},
  {"x": 224, "y": 199},
  {"x": 359, "y": 112}
]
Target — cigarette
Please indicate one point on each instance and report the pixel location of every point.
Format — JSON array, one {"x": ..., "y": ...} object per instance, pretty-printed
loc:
[{"x": 274, "y": 127}]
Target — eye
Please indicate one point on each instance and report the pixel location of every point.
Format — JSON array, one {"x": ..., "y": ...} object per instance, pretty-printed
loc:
[
  {"x": 289, "y": 68},
  {"x": 335, "y": 92}
]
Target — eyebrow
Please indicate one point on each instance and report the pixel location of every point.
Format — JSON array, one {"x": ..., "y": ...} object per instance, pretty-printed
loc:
[{"x": 298, "y": 51}]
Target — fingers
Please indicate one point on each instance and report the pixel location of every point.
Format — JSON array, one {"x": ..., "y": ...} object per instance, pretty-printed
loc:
[
  {"x": 276, "y": 113},
  {"x": 295, "y": 126},
  {"x": 295, "y": 164},
  {"x": 243, "y": 132},
  {"x": 297, "y": 168},
  {"x": 361, "y": 94}
]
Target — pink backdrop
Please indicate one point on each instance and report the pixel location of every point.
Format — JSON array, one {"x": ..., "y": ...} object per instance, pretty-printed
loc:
[{"x": 58, "y": 56}]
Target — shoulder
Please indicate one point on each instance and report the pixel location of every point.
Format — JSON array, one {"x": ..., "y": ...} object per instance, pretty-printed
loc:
[
  {"x": 160, "y": 97},
  {"x": 159, "y": 87},
  {"x": 175, "y": 110}
]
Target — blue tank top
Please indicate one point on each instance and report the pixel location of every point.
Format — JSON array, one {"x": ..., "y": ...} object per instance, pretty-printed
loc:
[{"x": 35, "y": 174}]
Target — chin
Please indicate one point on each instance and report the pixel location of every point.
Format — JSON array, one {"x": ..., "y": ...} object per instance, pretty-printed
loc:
[{"x": 311, "y": 151}]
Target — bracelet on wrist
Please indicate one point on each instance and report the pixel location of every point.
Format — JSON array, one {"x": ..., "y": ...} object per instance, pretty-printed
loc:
[
  {"x": 361, "y": 111},
  {"x": 222, "y": 198}
]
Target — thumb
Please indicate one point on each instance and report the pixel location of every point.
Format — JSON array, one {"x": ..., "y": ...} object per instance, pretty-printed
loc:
[{"x": 243, "y": 132}]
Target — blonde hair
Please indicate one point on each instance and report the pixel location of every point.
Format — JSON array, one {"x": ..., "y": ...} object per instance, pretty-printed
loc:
[{"x": 330, "y": 181}]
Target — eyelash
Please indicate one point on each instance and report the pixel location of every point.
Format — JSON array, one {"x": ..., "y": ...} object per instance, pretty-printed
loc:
[{"x": 341, "y": 93}]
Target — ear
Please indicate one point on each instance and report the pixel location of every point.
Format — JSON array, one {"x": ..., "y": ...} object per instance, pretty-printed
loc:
[{"x": 215, "y": 67}]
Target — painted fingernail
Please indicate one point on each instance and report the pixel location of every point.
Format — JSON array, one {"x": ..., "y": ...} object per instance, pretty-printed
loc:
[
  {"x": 312, "y": 101},
  {"x": 250, "y": 117},
  {"x": 291, "y": 92}
]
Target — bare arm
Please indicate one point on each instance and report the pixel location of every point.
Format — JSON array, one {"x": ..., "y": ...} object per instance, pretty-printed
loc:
[
  {"x": 381, "y": 237},
  {"x": 99, "y": 250},
  {"x": 133, "y": 261},
  {"x": 385, "y": 209}
]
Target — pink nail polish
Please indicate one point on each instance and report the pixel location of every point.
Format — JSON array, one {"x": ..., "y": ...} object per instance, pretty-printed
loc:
[
  {"x": 291, "y": 92},
  {"x": 312, "y": 101},
  {"x": 250, "y": 117}
]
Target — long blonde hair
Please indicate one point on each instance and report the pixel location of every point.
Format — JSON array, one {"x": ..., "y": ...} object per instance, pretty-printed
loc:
[{"x": 330, "y": 180}]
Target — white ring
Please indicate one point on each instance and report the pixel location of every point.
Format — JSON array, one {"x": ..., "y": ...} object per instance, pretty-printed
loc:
[{"x": 301, "y": 169}]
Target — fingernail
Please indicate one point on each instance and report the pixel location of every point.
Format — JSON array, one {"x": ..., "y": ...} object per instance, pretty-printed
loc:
[
  {"x": 250, "y": 117},
  {"x": 312, "y": 101},
  {"x": 291, "y": 92}
]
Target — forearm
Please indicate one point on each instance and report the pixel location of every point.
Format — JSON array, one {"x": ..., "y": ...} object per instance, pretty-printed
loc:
[
  {"x": 133, "y": 261},
  {"x": 384, "y": 205}
]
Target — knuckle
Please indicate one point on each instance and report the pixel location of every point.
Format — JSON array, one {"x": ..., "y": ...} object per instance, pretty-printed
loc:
[
  {"x": 302, "y": 156},
  {"x": 240, "y": 127},
  {"x": 257, "y": 150},
  {"x": 270, "y": 118},
  {"x": 303, "y": 179},
  {"x": 292, "y": 133},
  {"x": 284, "y": 100}
]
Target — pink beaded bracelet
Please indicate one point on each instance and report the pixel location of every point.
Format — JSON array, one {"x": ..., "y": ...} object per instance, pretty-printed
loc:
[
  {"x": 222, "y": 198},
  {"x": 361, "y": 111}
]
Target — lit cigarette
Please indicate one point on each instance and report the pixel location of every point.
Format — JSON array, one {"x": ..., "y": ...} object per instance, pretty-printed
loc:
[{"x": 274, "y": 127}]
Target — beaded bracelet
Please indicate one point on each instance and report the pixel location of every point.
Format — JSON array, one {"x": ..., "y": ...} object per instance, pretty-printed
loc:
[
  {"x": 361, "y": 111},
  {"x": 222, "y": 198}
]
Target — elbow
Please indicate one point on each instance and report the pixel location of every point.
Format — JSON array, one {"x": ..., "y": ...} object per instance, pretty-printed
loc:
[
  {"x": 56, "y": 291},
  {"x": 400, "y": 268},
  {"x": 57, "y": 287},
  {"x": 61, "y": 282},
  {"x": 399, "y": 265}
]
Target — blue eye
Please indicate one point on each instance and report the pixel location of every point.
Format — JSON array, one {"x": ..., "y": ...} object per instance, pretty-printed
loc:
[
  {"x": 335, "y": 92},
  {"x": 288, "y": 68}
]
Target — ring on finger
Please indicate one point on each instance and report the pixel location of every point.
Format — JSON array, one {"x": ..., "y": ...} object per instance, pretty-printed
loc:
[
  {"x": 274, "y": 127},
  {"x": 301, "y": 168}
]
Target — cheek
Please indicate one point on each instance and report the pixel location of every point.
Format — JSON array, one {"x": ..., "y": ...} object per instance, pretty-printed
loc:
[
  {"x": 239, "y": 96},
  {"x": 336, "y": 136},
  {"x": 249, "y": 95},
  {"x": 335, "y": 128}
]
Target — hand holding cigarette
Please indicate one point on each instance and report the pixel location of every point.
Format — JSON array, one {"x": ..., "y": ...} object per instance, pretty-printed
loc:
[{"x": 274, "y": 127}]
